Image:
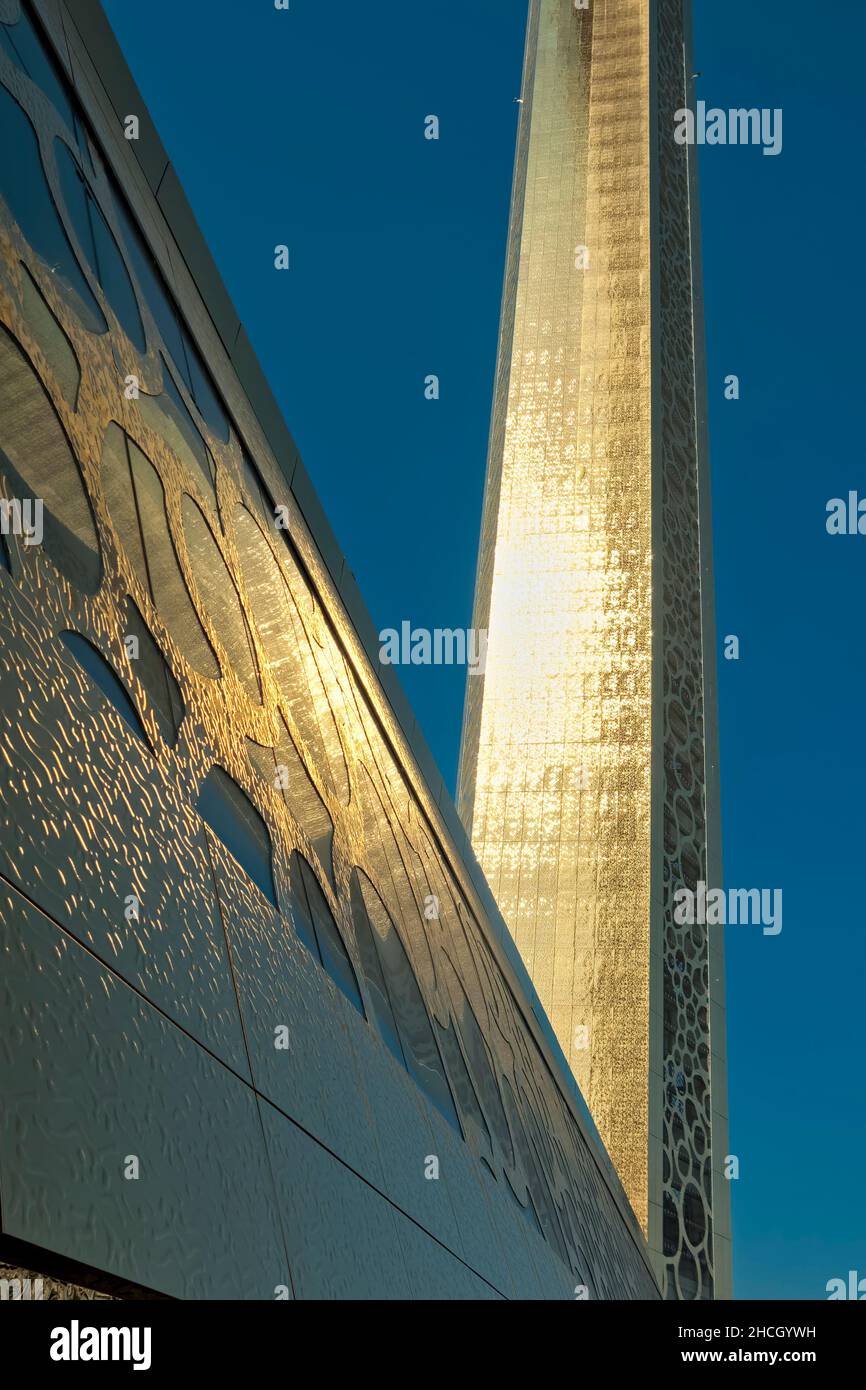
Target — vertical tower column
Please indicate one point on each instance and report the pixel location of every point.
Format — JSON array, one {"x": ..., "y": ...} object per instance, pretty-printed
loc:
[
  {"x": 694, "y": 1223},
  {"x": 563, "y": 784}
]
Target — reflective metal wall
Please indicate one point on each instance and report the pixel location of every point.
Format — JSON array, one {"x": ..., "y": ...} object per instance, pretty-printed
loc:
[
  {"x": 259, "y": 1035},
  {"x": 588, "y": 776}
]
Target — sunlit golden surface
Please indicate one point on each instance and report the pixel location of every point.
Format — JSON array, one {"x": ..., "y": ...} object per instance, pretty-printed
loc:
[
  {"x": 559, "y": 799},
  {"x": 588, "y": 776}
]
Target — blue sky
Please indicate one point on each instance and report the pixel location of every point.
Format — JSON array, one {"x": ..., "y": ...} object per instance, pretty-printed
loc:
[{"x": 306, "y": 128}]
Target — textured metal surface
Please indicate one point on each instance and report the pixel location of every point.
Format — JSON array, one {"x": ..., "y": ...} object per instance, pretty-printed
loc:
[
  {"x": 155, "y": 1003},
  {"x": 695, "y": 1194},
  {"x": 585, "y": 779},
  {"x": 555, "y": 779},
  {"x": 26, "y": 1284},
  {"x": 92, "y": 1074}
]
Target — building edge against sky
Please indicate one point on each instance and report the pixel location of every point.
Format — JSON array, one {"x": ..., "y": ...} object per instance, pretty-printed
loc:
[
  {"x": 182, "y": 824},
  {"x": 589, "y": 766}
]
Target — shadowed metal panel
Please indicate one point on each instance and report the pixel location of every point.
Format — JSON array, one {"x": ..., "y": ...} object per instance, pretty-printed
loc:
[{"x": 91, "y": 1067}]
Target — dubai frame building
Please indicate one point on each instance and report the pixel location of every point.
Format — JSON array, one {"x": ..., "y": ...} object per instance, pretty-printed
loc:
[{"x": 589, "y": 774}]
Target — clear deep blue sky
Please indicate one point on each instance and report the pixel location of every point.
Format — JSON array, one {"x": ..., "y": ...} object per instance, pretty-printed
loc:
[{"x": 306, "y": 128}]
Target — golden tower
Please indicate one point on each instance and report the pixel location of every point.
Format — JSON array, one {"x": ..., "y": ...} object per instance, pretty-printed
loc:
[{"x": 588, "y": 773}]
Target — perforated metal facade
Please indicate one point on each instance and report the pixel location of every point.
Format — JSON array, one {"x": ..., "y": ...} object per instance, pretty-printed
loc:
[
  {"x": 262, "y": 1032},
  {"x": 588, "y": 777}
]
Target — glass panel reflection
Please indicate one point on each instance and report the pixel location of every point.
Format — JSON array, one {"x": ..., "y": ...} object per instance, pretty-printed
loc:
[
  {"x": 98, "y": 245},
  {"x": 24, "y": 186},
  {"x": 235, "y": 821},
  {"x": 316, "y": 927}
]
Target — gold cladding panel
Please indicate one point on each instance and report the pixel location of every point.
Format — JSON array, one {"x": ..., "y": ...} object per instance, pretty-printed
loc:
[{"x": 560, "y": 806}]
